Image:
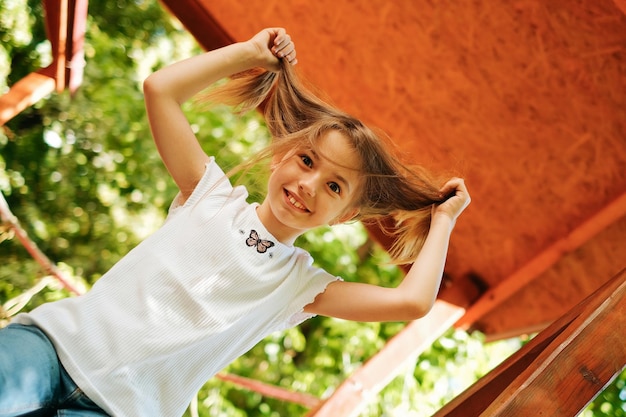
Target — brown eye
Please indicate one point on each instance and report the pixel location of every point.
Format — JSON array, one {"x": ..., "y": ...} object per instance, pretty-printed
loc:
[{"x": 334, "y": 187}]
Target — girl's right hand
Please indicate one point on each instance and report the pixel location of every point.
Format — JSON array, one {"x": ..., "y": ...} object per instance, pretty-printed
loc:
[
  {"x": 457, "y": 201},
  {"x": 274, "y": 44}
]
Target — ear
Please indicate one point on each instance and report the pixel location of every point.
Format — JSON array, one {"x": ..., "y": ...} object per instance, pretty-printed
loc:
[{"x": 348, "y": 215}]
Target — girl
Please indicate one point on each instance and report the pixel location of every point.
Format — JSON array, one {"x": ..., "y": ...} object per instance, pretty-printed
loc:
[{"x": 221, "y": 273}]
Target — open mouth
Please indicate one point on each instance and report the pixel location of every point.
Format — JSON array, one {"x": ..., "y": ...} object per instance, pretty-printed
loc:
[{"x": 295, "y": 202}]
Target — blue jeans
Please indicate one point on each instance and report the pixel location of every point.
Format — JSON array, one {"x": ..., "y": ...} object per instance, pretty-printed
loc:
[{"x": 33, "y": 382}]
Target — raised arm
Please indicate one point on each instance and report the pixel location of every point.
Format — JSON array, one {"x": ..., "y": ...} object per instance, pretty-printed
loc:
[
  {"x": 416, "y": 294},
  {"x": 168, "y": 88}
]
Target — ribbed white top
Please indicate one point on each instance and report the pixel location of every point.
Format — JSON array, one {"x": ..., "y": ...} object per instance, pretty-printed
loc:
[{"x": 181, "y": 305}]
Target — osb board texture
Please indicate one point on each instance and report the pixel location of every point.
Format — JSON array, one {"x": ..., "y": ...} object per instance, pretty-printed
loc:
[
  {"x": 524, "y": 99},
  {"x": 555, "y": 292}
]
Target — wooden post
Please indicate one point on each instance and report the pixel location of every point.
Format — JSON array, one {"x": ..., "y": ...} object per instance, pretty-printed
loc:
[
  {"x": 65, "y": 27},
  {"x": 562, "y": 369},
  {"x": 56, "y": 13}
]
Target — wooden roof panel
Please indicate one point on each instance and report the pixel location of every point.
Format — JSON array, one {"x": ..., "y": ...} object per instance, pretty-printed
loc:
[
  {"x": 565, "y": 284},
  {"x": 524, "y": 99}
]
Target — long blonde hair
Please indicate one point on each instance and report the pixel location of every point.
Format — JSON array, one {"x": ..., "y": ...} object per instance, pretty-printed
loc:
[{"x": 293, "y": 114}]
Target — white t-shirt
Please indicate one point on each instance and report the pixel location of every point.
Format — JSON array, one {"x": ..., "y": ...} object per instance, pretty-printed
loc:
[{"x": 192, "y": 297}]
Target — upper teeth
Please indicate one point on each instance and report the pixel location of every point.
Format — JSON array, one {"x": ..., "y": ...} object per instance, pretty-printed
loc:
[{"x": 295, "y": 203}]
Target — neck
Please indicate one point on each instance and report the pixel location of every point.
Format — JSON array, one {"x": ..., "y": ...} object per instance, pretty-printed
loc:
[{"x": 284, "y": 234}]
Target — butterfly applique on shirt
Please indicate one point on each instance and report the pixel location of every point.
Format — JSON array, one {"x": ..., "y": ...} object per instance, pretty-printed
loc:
[{"x": 261, "y": 245}]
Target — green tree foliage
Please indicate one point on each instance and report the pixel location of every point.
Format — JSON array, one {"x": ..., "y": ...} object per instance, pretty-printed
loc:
[{"x": 84, "y": 178}]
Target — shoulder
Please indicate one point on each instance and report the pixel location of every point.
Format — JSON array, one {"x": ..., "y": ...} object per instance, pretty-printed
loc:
[{"x": 214, "y": 183}]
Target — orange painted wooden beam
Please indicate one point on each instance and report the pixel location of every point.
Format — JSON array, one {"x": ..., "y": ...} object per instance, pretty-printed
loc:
[
  {"x": 562, "y": 369},
  {"x": 367, "y": 381},
  {"x": 269, "y": 390},
  {"x": 8, "y": 218},
  {"x": 77, "y": 27},
  {"x": 66, "y": 24},
  {"x": 195, "y": 16},
  {"x": 542, "y": 262},
  {"x": 56, "y": 16},
  {"x": 25, "y": 93}
]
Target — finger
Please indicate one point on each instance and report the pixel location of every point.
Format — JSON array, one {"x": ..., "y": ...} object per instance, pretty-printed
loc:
[
  {"x": 454, "y": 183},
  {"x": 291, "y": 58},
  {"x": 450, "y": 185},
  {"x": 289, "y": 50},
  {"x": 454, "y": 187},
  {"x": 289, "y": 55},
  {"x": 284, "y": 48},
  {"x": 281, "y": 40}
]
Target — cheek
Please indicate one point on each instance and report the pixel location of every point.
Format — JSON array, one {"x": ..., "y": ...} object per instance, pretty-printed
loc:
[
  {"x": 276, "y": 173},
  {"x": 336, "y": 211},
  {"x": 275, "y": 185}
]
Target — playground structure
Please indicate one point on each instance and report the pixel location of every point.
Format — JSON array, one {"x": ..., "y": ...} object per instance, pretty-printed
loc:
[{"x": 526, "y": 101}]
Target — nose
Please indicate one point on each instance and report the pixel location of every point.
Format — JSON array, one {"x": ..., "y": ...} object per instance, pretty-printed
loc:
[{"x": 309, "y": 183}]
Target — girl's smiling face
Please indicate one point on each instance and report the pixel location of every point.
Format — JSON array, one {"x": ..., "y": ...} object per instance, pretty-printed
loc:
[{"x": 307, "y": 188}]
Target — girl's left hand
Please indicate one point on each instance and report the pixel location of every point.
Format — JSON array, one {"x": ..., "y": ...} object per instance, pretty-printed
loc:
[
  {"x": 274, "y": 44},
  {"x": 457, "y": 201}
]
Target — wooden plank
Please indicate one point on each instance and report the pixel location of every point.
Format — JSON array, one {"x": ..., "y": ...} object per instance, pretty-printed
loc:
[
  {"x": 56, "y": 15},
  {"x": 577, "y": 365},
  {"x": 25, "y": 93},
  {"x": 77, "y": 26},
  {"x": 8, "y": 218},
  {"x": 543, "y": 261},
  {"x": 367, "y": 381},
  {"x": 561, "y": 369},
  {"x": 195, "y": 16},
  {"x": 474, "y": 400},
  {"x": 269, "y": 390},
  {"x": 65, "y": 26}
]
